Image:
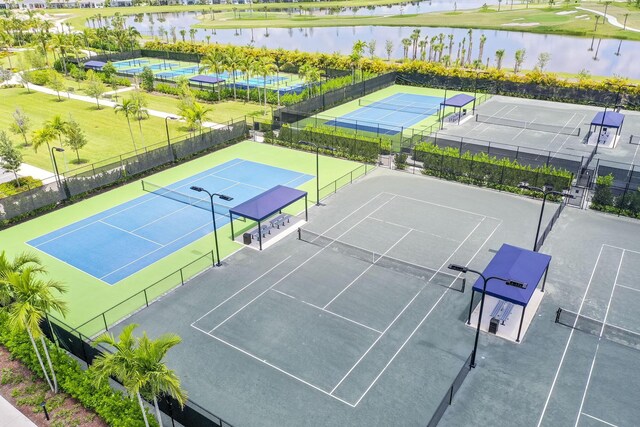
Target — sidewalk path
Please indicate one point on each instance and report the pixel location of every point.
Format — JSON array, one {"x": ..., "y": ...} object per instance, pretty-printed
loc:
[
  {"x": 10, "y": 416},
  {"x": 612, "y": 19}
]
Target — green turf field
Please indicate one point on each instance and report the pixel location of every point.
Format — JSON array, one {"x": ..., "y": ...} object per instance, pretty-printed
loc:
[{"x": 88, "y": 296}]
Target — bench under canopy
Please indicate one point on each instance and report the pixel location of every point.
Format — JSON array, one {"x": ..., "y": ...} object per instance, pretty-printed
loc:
[
  {"x": 518, "y": 264},
  {"x": 266, "y": 204}
]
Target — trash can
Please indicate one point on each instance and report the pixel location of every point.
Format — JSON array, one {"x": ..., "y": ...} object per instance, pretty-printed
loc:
[
  {"x": 493, "y": 325},
  {"x": 246, "y": 238}
]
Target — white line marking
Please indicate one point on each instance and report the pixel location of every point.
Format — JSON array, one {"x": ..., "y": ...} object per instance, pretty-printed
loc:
[
  {"x": 293, "y": 271},
  {"x": 413, "y": 229},
  {"x": 566, "y": 347},
  {"x": 622, "y": 249},
  {"x": 365, "y": 270},
  {"x": 327, "y": 311},
  {"x": 273, "y": 366},
  {"x": 604, "y": 322},
  {"x": 240, "y": 290},
  {"x": 402, "y": 312},
  {"x": 627, "y": 287},
  {"x": 129, "y": 232},
  {"x": 425, "y": 316},
  {"x": 443, "y": 206},
  {"x": 598, "y": 419}
]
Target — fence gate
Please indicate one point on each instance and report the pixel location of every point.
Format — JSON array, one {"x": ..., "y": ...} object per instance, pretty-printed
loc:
[{"x": 579, "y": 194}]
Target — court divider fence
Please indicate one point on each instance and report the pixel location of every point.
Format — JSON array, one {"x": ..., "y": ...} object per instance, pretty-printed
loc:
[
  {"x": 596, "y": 327},
  {"x": 447, "y": 400},
  {"x": 551, "y": 223},
  {"x": 82, "y": 347},
  {"x": 120, "y": 169}
]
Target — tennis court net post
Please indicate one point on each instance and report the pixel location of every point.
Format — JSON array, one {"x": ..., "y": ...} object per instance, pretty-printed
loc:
[
  {"x": 598, "y": 328},
  {"x": 431, "y": 275},
  {"x": 522, "y": 124}
]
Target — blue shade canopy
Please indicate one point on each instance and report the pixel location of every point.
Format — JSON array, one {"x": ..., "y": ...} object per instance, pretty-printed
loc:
[
  {"x": 610, "y": 119},
  {"x": 517, "y": 264},
  {"x": 95, "y": 65},
  {"x": 459, "y": 100},
  {"x": 266, "y": 204},
  {"x": 205, "y": 79}
]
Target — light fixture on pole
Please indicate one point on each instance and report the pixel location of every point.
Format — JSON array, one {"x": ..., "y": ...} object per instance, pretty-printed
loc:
[
  {"x": 213, "y": 216},
  {"x": 485, "y": 280},
  {"x": 317, "y": 147},
  {"x": 545, "y": 190}
]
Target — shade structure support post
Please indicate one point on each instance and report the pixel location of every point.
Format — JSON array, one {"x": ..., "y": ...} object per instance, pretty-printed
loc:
[
  {"x": 231, "y": 222},
  {"x": 524, "y": 307},
  {"x": 473, "y": 293},
  {"x": 306, "y": 208},
  {"x": 544, "y": 280},
  {"x": 260, "y": 234}
]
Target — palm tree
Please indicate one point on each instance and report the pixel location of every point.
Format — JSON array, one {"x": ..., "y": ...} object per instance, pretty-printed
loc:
[
  {"x": 470, "y": 32},
  {"x": 483, "y": 40},
  {"x": 499, "y": 56},
  {"x": 406, "y": 43},
  {"x": 192, "y": 34},
  {"x": 128, "y": 109},
  {"x": 232, "y": 62},
  {"x": 183, "y": 33},
  {"x": 139, "y": 108},
  {"x": 121, "y": 364},
  {"x": 16, "y": 265},
  {"x": 356, "y": 54},
  {"x": 422, "y": 44},
  {"x": 414, "y": 37},
  {"x": 157, "y": 378},
  {"x": 248, "y": 66},
  {"x": 266, "y": 67},
  {"x": 450, "y": 37},
  {"x": 519, "y": 57},
  {"x": 213, "y": 61},
  {"x": 56, "y": 126},
  {"x": 31, "y": 299},
  {"x": 194, "y": 114}
]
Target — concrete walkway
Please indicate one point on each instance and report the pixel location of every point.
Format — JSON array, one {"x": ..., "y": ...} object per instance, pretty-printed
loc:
[
  {"x": 612, "y": 19},
  {"x": 10, "y": 416}
]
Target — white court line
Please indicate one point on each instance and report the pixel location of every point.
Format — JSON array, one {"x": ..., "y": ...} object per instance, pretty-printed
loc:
[
  {"x": 273, "y": 366},
  {"x": 443, "y": 206},
  {"x": 327, "y": 311},
  {"x": 595, "y": 356},
  {"x": 485, "y": 126},
  {"x": 426, "y": 315},
  {"x": 240, "y": 290},
  {"x": 129, "y": 232},
  {"x": 233, "y": 180},
  {"x": 521, "y": 130},
  {"x": 622, "y": 249},
  {"x": 294, "y": 270},
  {"x": 402, "y": 312},
  {"x": 413, "y": 229},
  {"x": 566, "y": 347},
  {"x": 627, "y": 287},
  {"x": 598, "y": 419},
  {"x": 566, "y": 139},
  {"x": 366, "y": 269}
]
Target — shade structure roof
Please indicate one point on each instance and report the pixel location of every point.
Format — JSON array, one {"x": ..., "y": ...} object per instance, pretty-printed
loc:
[
  {"x": 514, "y": 263},
  {"x": 459, "y": 100},
  {"x": 201, "y": 78},
  {"x": 95, "y": 65},
  {"x": 610, "y": 119},
  {"x": 266, "y": 204}
]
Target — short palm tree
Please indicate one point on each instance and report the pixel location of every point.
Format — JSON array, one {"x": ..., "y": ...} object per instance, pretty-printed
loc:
[
  {"x": 16, "y": 265},
  {"x": 214, "y": 61},
  {"x": 31, "y": 299},
  {"x": 129, "y": 110},
  {"x": 57, "y": 126}
]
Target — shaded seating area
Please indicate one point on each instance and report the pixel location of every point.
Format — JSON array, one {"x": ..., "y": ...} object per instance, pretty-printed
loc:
[
  {"x": 458, "y": 102},
  {"x": 203, "y": 79},
  {"x": 605, "y": 128},
  {"x": 94, "y": 65},
  {"x": 503, "y": 301},
  {"x": 266, "y": 209}
]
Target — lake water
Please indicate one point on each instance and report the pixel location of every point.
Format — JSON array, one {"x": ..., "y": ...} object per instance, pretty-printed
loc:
[{"x": 606, "y": 57}]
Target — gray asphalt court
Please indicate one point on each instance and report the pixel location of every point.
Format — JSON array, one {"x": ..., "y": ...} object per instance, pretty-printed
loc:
[{"x": 306, "y": 334}]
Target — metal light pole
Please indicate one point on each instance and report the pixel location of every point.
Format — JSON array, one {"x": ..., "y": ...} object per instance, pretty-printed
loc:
[
  {"x": 546, "y": 190},
  {"x": 166, "y": 128},
  {"x": 485, "y": 280},
  {"x": 317, "y": 147},
  {"x": 213, "y": 216}
]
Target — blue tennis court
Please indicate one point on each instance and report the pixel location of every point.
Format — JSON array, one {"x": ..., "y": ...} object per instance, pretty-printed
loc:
[
  {"x": 390, "y": 115},
  {"x": 130, "y": 63},
  {"x": 123, "y": 240}
]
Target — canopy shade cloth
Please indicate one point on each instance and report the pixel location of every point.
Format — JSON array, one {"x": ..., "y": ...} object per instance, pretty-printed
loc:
[
  {"x": 517, "y": 264},
  {"x": 94, "y": 65},
  {"x": 459, "y": 100},
  {"x": 205, "y": 79},
  {"x": 266, "y": 204},
  {"x": 609, "y": 119}
]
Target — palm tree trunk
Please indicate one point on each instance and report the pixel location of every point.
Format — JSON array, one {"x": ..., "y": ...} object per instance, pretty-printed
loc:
[
  {"x": 158, "y": 415},
  {"x": 278, "y": 86},
  {"x": 144, "y": 413},
  {"x": 35, "y": 347},
  {"x": 46, "y": 353},
  {"x": 141, "y": 134},
  {"x": 131, "y": 133}
]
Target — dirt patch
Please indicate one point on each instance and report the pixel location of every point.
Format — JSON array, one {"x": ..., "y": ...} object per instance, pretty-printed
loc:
[{"x": 26, "y": 392}]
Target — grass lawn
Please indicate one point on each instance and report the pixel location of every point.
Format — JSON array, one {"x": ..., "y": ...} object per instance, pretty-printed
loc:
[
  {"x": 88, "y": 296},
  {"x": 107, "y": 132}
]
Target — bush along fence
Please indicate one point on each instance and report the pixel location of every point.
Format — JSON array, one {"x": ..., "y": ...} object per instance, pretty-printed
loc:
[
  {"x": 84, "y": 180},
  {"x": 624, "y": 201}
]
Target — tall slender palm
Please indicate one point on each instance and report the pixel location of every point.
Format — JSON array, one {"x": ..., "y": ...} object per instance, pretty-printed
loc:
[
  {"x": 483, "y": 40},
  {"x": 128, "y": 109},
  {"x": 247, "y": 66},
  {"x": 156, "y": 378},
  {"x": 414, "y": 37},
  {"x": 121, "y": 364},
  {"x": 267, "y": 68},
  {"x": 499, "y": 56},
  {"x": 139, "y": 108},
  {"x": 406, "y": 44},
  {"x": 232, "y": 62},
  {"x": 32, "y": 298},
  {"x": 470, "y": 32},
  {"x": 213, "y": 61}
]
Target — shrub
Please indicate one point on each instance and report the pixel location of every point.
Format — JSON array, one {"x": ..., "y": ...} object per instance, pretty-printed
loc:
[
  {"x": 39, "y": 77},
  {"x": 400, "y": 161},
  {"x": 603, "y": 195},
  {"x": 25, "y": 183}
]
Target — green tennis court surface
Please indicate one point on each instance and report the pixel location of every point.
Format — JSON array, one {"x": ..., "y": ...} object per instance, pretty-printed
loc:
[{"x": 88, "y": 296}]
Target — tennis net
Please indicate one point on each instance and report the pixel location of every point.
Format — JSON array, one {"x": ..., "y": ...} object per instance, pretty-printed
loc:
[
  {"x": 431, "y": 275},
  {"x": 522, "y": 124},
  {"x": 425, "y": 110},
  {"x": 185, "y": 198},
  {"x": 596, "y": 327}
]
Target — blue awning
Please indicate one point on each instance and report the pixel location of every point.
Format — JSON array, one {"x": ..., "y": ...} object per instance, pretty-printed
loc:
[
  {"x": 610, "y": 119},
  {"x": 266, "y": 204},
  {"x": 205, "y": 79},
  {"x": 514, "y": 263},
  {"x": 94, "y": 65},
  {"x": 459, "y": 100}
]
